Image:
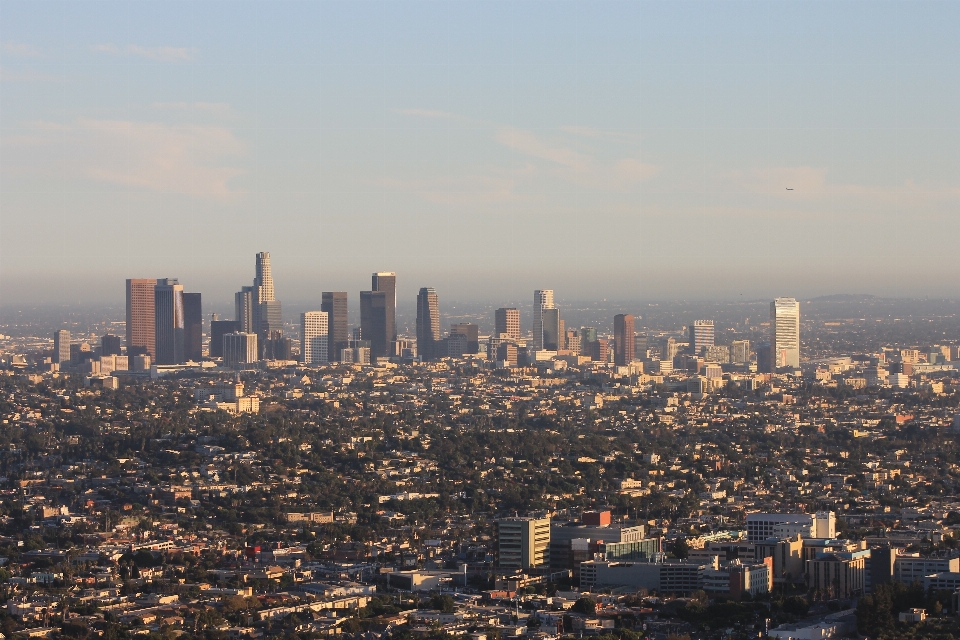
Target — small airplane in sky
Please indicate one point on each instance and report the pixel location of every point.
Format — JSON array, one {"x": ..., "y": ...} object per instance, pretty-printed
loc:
[{"x": 789, "y": 188}]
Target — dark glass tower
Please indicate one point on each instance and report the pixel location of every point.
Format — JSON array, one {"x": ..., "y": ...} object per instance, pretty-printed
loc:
[
  {"x": 373, "y": 322},
  {"x": 168, "y": 308},
  {"x": 428, "y": 323},
  {"x": 192, "y": 327},
  {"x": 334, "y": 303},
  {"x": 386, "y": 282}
]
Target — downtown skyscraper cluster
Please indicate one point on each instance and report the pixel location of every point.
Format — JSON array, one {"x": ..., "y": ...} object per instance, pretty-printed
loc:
[
  {"x": 165, "y": 323},
  {"x": 324, "y": 334},
  {"x": 257, "y": 309}
]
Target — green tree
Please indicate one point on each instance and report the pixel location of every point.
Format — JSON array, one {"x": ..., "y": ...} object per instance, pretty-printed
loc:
[
  {"x": 681, "y": 549},
  {"x": 442, "y": 603},
  {"x": 586, "y": 606}
]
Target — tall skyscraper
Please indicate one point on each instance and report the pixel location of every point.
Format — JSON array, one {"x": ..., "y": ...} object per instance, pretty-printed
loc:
[
  {"x": 785, "y": 333},
  {"x": 542, "y": 299},
  {"x": 141, "y": 330},
  {"x": 334, "y": 304},
  {"x": 507, "y": 320},
  {"x": 257, "y": 309},
  {"x": 428, "y": 323},
  {"x": 314, "y": 337},
  {"x": 246, "y": 308},
  {"x": 550, "y": 323},
  {"x": 263, "y": 281},
  {"x": 61, "y": 346},
  {"x": 373, "y": 322},
  {"x": 623, "y": 336},
  {"x": 701, "y": 336},
  {"x": 268, "y": 320},
  {"x": 192, "y": 327},
  {"x": 386, "y": 282},
  {"x": 168, "y": 315}
]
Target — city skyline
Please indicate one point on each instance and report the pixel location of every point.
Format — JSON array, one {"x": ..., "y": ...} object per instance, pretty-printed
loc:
[
  {"x": 259, "y": 326},
  {"x": 271, "y": 366},
  {"x": 807, "y": 131},
  {"x": 776, "y": 348}
]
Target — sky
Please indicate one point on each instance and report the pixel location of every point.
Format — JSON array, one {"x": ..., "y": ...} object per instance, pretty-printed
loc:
[{"x": 624, "y": 150}]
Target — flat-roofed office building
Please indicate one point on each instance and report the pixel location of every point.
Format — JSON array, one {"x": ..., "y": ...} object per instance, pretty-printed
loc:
[
  {"x": 61, "y": 346},
  {"x": 240, "y": 349},
  {"x": 507, "y": 320},
  {"x": 169, "y": 321},
  {"x": 785, "y": 333},
  {"x": 334, "y": 304},
  {"x": 523, "y": 543},
  {"x": 141, "y": 317},
  {"x": 314, "y": 337}
]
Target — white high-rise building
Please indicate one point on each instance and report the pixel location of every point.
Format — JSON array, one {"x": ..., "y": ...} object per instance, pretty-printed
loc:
[
  {"x": 263, "y": 282},
  {"x": 702, "y": 336},
  {"x": 542, "y": 299},
  {"x": 61, "y": 346},
  {"x": 314, "y": 330},
  {"x": 785, "y": 333}
]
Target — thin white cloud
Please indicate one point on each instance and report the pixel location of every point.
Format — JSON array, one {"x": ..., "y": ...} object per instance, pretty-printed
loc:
[
  {"x": 812, "y": 194},
  {"x": 633, "y": 170},
  {"x": 579, "y": 168},
  {"x": 28, "y": 75},
  {"x": 572, "y": 167},
  {"x": 190, "y": 160},
  {"x": 219, "y": 108},
  {"x": 163, "y": 54},
  {"x": 44, "y": 125},
  {"x": 22, "y": 50},
  {"x": 465, "y": 190},
  {"x": 805, "y": 183},
  {"x": 526, "y": 142},
  {"x": 429, "y": 113},
  {"x": 600, "y": 134},
  {"x": 159, "y": 54},
  {"x": 105, "y": 48},
  {"x": 802, "y": 181}
]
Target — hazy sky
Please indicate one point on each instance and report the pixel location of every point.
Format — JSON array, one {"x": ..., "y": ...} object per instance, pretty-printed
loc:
[{"x": 626, "y": 150}]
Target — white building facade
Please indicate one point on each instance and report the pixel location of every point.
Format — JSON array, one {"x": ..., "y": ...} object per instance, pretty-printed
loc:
[{"x": 314, "y": 337}]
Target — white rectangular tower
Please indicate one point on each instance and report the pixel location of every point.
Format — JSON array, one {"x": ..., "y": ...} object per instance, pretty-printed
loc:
[
  {"x": 314, "y": 328},
  {"x": 785, "y": 333}
]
